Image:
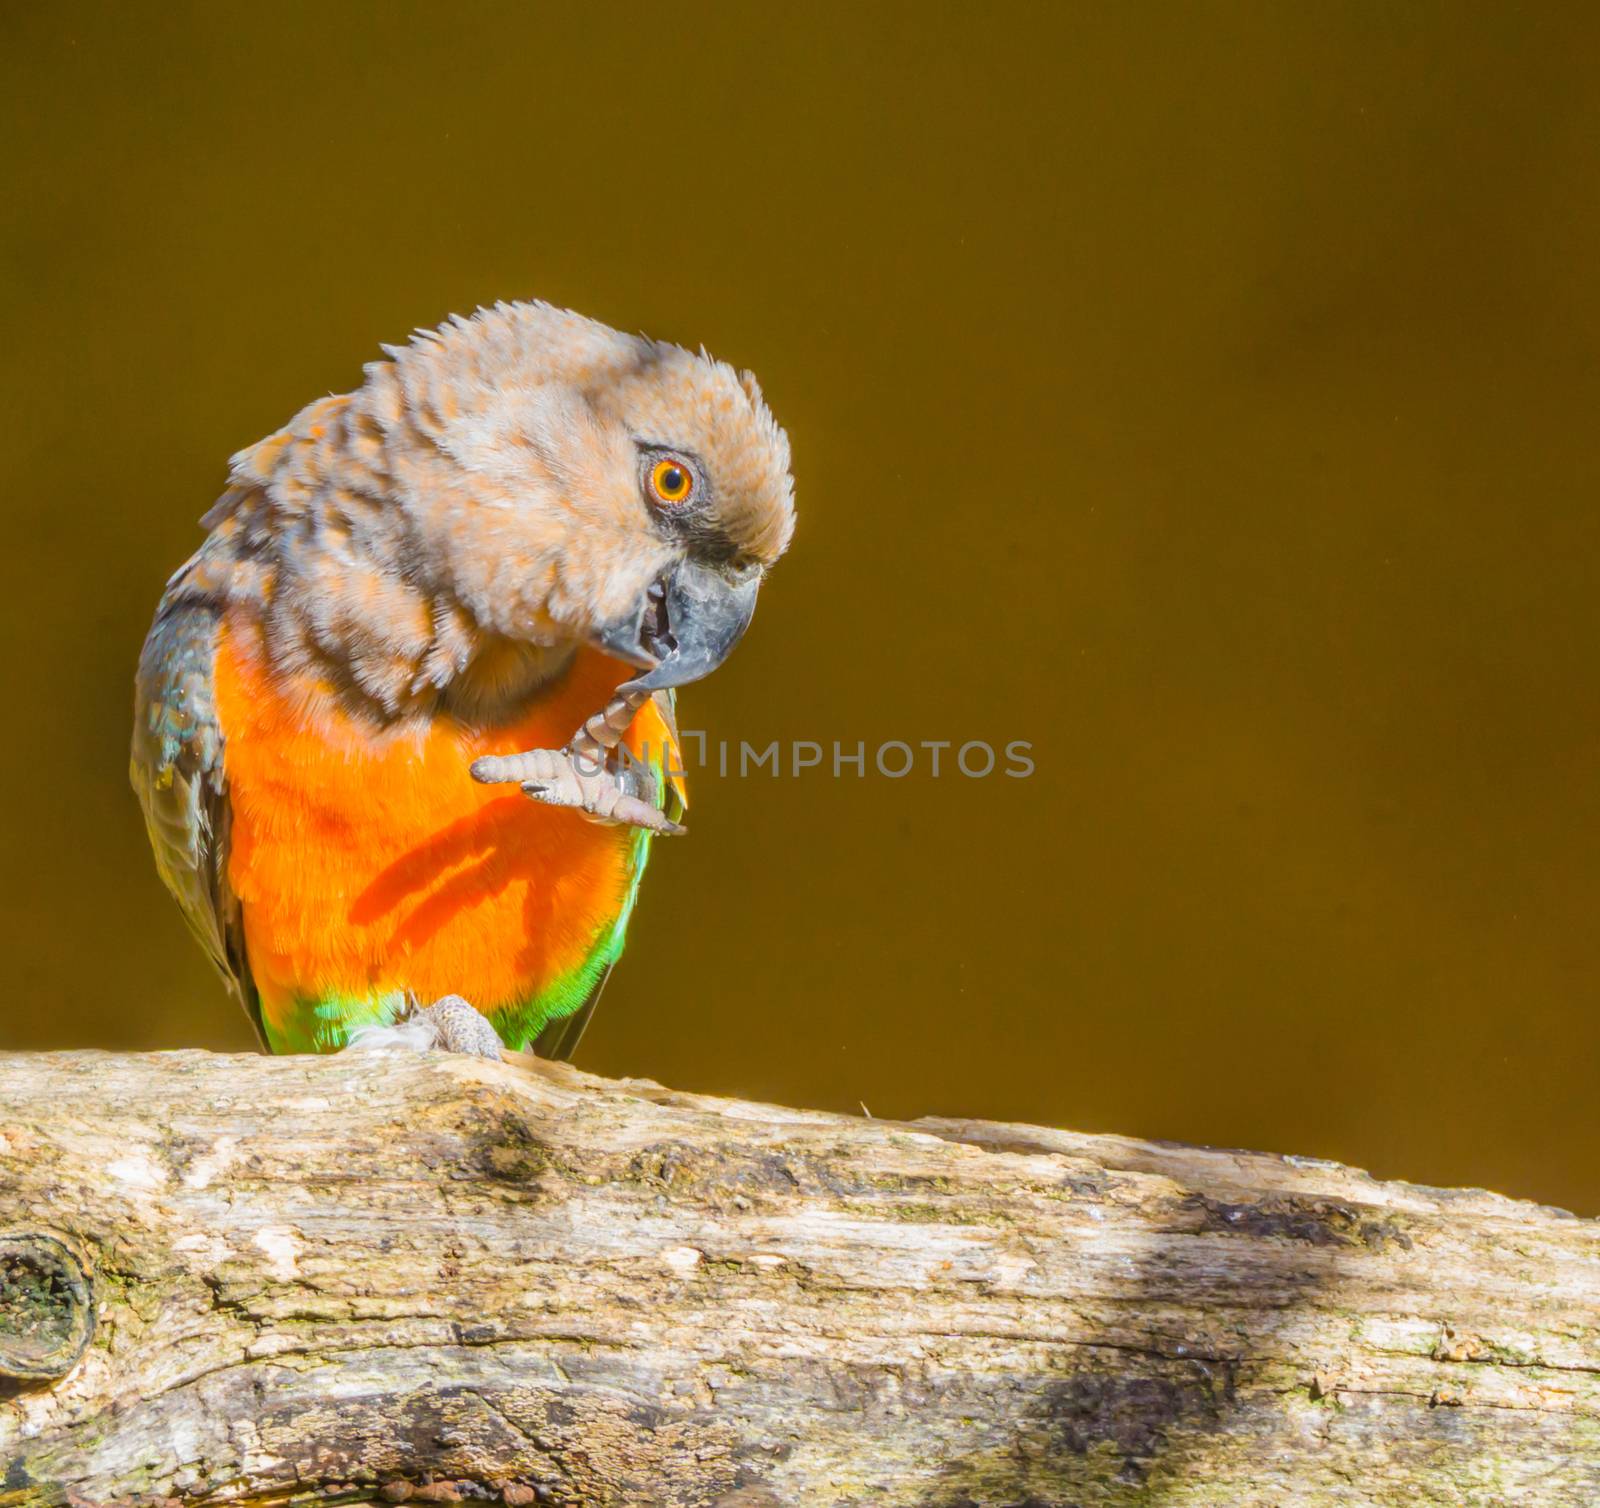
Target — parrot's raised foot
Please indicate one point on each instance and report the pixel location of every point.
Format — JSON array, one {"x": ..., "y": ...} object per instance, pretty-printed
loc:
[
  {"x": 561, "y": 777},
  {"x": 448, "y": 1025}
]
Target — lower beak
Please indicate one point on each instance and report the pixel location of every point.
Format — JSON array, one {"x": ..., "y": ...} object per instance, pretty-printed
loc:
[{"x": 687, "y": 625}]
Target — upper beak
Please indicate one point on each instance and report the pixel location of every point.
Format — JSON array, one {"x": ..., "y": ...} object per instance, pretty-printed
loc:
[{"x": 686, "y": 626}]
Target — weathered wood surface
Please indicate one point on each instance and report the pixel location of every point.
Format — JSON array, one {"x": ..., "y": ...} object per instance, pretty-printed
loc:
[{"x": 318, "y": 1279}]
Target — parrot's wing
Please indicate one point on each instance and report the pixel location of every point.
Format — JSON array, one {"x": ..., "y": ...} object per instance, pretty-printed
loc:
[
  {"x": 675, "y": 791},
  {"x": 177, "y": 771},
  {"x": 559, "y": 1040}
]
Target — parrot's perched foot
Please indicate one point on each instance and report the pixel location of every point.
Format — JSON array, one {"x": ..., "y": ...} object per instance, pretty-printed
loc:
[
  {"x": 566, "y": 777},
  {"x": 448, "y": 1025}
]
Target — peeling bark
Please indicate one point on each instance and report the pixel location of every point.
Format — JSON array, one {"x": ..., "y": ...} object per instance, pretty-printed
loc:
[{"x": 416, "y": 1278}]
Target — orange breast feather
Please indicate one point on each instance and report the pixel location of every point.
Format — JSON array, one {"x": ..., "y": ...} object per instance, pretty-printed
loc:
[{"x": 368, "y": 863}]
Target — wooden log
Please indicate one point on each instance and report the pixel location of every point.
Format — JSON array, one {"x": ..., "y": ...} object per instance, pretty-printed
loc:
[{"x": 397, "y": 1277}]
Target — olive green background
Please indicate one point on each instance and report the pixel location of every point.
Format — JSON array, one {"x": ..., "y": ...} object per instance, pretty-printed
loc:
[{"x": 1206, "y": 394}]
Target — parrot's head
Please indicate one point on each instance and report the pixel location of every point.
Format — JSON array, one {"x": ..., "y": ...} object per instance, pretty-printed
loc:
[{"x": 572, "y": 484}]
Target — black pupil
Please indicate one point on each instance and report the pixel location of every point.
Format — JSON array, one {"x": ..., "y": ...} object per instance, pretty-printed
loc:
[{"x": 672, "y": 480}]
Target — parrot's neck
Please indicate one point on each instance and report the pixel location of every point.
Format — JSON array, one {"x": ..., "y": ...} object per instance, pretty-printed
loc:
[
  {"x": 502, "y": 680},
  {"x": 358, "y": 672}
]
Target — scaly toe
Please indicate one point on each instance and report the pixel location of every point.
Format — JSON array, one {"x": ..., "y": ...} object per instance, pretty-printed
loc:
[{"x": 458, "y": 1027}]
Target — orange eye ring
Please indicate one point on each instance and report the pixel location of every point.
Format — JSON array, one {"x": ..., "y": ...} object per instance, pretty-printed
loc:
[{"x": 671, "y": 481}]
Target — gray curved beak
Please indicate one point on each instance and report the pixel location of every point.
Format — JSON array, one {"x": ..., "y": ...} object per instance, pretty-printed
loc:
[{"x": 687, "y": 626}]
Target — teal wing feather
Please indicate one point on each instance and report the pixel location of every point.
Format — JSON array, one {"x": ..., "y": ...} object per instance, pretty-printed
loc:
[{"x": 177, "y": 771}]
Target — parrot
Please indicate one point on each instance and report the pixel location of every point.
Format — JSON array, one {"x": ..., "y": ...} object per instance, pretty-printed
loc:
[{"x": 404, "y": 724}]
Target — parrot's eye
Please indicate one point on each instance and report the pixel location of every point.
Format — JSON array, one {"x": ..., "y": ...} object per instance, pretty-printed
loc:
[{"x": 671, "y": 480}]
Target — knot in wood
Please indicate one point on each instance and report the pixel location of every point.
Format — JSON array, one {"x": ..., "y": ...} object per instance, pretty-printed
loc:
[{"x": 46, "y": 1307}]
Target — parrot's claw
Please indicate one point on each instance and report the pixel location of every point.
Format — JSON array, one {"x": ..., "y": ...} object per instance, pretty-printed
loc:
[
  {"x": 448, "y": 1025},
  {"x": 560, "y": 777}
]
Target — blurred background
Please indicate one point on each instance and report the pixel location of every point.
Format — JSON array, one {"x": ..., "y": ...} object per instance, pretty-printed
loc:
[{"x": 1206, "y": 394}]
